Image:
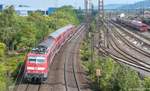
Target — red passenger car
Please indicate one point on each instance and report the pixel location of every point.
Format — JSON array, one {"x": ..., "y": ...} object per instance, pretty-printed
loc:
[{"x": 38, "y": 60}]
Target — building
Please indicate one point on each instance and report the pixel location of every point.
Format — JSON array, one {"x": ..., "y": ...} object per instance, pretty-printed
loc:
[
  {"x": 23, "y": 10},
  {"x": 1, "y": 7},
  {"x": 51, "y": 10},
  {"x": 147, "y": 14}
]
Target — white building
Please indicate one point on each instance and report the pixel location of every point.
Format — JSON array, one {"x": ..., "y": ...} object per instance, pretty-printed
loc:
[
  {"x": 25, "y": 10},
  {"x": 147, "y": 14}
]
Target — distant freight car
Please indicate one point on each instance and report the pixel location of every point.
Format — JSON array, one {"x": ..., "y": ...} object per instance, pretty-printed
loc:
[
  {"x": 38, "y": 60},
  {"x": 138, "y": 25}
]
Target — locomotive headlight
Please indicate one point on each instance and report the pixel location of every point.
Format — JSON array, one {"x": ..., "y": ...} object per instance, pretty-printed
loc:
[
  {"x": 30, "y": 68},
  {"x": 41, "y": 68}
]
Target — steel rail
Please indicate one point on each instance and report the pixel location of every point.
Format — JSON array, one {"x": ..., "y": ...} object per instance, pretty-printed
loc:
[
  {"x": 125, "y": 60},
  {"x": 71, "y": 57}
]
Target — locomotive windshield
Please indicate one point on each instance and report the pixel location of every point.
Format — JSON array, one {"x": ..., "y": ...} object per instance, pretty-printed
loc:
[
  {"x": 32, "y": 59},
  {"x": 36, "y": 59},
  {"x": 40, "y": 59}
]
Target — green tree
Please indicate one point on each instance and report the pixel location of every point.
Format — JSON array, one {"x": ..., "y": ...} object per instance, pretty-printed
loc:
[
  {"x": 41, "y": 24},
  {"x": 63, "y": 16},
  {"x": 8, "y": 26}
]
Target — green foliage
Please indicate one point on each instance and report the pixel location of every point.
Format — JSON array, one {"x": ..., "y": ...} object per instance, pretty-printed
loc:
[
  {"x": 114, "y": 77},
  {"x": 63, "y": 16},
  {"x": 108, "y": 68},
  {"x": 85, "y": 53},
  {"x": 8, "y": 26},
  {"x": 26, "y": 37},
  {"x": 3, "y": 79},
  {"x": 41, "y": 23},
  {"x": 125, "y": 79},
  {"x": 147, "y": 83},
  {"x": 2, "y": 49},
  {"x": 25, "y": 32}
]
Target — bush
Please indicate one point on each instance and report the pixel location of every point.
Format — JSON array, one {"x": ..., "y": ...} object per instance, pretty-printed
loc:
[
  {"x": 2, "y": 49},
  {"x": 114, "y": 77},
  {"x": 3, "y": 78},
  {"x": 147, "y": 83}
]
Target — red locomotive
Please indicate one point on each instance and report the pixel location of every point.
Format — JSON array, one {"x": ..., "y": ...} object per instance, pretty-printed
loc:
[
  {"x": 38, "y": 60},
  {"x": 138, "y": 25}
]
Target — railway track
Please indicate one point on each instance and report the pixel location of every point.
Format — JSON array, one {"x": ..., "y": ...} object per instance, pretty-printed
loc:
[
  {"x": 63, "y": 74},
  {"x": 136, "y": 32},
  {"x": 70, "y": 71},
  {"x": 131, "y": 45},
  {"x": 138, "y": 37},
  {"x": 116, "y": 48},
  {"x": 127, "y": 42},
  {"x": 139, "y": 41},
  {"x": 130, "y": 58}
]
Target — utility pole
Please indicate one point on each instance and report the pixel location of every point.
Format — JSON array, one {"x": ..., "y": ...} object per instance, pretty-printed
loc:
[
  {"x": 101, "y": 8},
  {"x": 100, "y": 17},
  {"x": 101, "y": 12},
  {"x": 88, "y": 9},
  {"x": 88, "y": 14}
]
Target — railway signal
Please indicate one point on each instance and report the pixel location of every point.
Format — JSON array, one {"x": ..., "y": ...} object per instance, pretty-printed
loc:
[
  {"x": 98, "y": 75},
  {"x": 98, "y": 72}
]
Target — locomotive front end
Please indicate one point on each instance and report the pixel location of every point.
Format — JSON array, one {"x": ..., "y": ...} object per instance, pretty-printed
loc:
[{"x": 36, "y": 68}]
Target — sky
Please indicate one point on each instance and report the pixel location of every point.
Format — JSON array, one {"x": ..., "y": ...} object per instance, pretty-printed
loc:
[{"x": 43, "y": 4}]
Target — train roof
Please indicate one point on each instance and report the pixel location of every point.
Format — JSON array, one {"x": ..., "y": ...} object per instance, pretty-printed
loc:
[
  {"x": 46, "y": 43},
  {"x": 43, "y": 46},
  {"x": 60, "y": 31}
]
